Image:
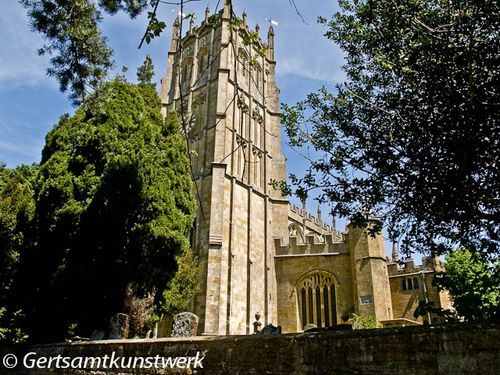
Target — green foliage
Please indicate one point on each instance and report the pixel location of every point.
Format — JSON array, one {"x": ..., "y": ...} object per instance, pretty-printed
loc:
[
  {"x": 438, "y": 314},
  {"x": 363, "y": 321},
  {"x": 10, "y": 331},
  {"x": 132, "y": 7},
  {"x": 16, "y": 211},
  {"x": 81, "y": 57},
  {"x": 114, "y": 208},
  {"x": 473, "y": 284},
  {"x": 3, "y": 330},
  {"x": 155, "y": 27},
  {"x": 214, "y": 21},
  {"x": 182, "y": 287},
  {"x": 250, "y": 38},
  {"x": 235, "y": 23},
  {"x": 146, "y": 71},
  {"x": 412, "y": 136}
]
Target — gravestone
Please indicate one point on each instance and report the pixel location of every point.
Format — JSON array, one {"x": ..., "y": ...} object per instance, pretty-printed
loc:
[
  {"x": 270, "y": 330},
  {"x": 118, "y": 327},
  {"x": 165, "y": 326},
  {"x": 310, "y": 326},
  {"x": 97, "y": 335},
  {"x": 185, "y": 324}
]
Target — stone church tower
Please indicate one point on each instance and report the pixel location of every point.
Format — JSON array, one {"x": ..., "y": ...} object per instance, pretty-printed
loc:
[
  {"x": 230, "y": 104},
  {"x": 258, "y": 254}
]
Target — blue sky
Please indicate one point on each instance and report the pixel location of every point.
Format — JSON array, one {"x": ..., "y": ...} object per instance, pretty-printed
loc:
[{"x": 30, "y": 101}]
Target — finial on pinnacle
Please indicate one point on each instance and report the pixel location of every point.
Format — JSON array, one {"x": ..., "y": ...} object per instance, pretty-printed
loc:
[
  {"x": 244, "y": 16},
  {"x": 226, "y": 13},
  {"x": 303, "y": 201},
  {"x": 270, "y": 42},
  {"x": 334, "y": 223},
  {"x": 191, "y": 24},
  {"x": 175, "y": 35},
  {"x": 207, "y": 13},
  {"x": 395, "y": 257},
  {"x": 257, "y": 28}
]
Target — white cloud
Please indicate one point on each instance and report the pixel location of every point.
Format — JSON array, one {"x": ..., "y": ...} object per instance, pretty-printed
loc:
[
  {"x": 319, "y": 70},
  {"x": 19, "y": 62},
  {"x": 302, "y": 49},
  {"x": 27, "y": 151}
]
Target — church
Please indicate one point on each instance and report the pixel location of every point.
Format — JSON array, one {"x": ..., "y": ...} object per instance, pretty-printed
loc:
[{"x": 259, "y": 254}]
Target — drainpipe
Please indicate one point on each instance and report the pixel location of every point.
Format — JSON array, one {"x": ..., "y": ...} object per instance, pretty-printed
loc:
[{"x": 426, "y": 297}]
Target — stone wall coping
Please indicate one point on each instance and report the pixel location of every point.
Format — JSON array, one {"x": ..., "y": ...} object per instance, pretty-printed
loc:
[
  {"x": 322, "y": 333},
  {"x": 458, "y": 349},
  {"x": 306, "y": 255}
]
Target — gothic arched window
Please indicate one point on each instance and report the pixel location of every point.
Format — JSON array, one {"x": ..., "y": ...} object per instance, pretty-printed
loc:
[
  {"x": 203, "y": 56},
  {"x": 257, "y": 78},
  {"x": 243, "y": 67},
  {"x": 186, "y": 71},
  {"x": 317, "y": 299}
]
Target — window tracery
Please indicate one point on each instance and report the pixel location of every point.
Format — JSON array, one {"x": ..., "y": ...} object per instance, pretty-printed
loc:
[{"x": 317, "y": 299}]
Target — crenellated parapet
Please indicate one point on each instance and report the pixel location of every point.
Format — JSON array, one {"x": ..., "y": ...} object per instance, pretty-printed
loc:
[
  {"x": 408, "y": 267},
  {"x": 309, "y": 222},
  {"x": 327, "y": 244}
]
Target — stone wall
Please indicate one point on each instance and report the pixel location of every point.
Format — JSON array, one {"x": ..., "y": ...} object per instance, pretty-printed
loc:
[
  {"x": 459, "y": 349},
  {"x": 417, "y": 287}
]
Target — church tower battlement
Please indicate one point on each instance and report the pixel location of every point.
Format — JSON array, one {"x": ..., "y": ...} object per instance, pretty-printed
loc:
[{"x": 221, "y": 79}]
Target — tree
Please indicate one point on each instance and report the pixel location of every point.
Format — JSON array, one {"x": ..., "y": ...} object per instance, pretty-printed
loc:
[
  {"x": 412, "y": 136},
  {"x": 473, "y": 284},
  {"x": 81, "y": 57},
  {"x": 16, "y": 211},
  {"x": 145, "y": 72},
  {"x": 114, "y": 210}
]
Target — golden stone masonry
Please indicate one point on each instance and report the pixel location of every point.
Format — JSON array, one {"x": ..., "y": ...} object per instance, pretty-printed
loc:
[{"x": 258, "y": 253}]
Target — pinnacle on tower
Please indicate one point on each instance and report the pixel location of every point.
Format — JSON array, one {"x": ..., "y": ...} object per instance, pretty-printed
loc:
[
  {"x": 394, "y": 255},
  {"x": 244, "y": 16},
  {"x": 226, "y": 13},
  {"x": 175, "y": 35},
  {"x": 270, "y": 43},
  {"x": 191, "y": 25},
  {"x": 334, "y": 223},
  {"x": 207, "y": 13}
]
